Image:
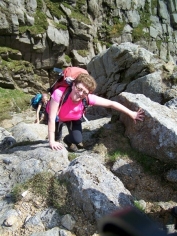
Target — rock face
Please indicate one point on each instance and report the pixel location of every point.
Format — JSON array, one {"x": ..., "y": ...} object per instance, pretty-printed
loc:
[
  {"x": 157, "y": 135},
  {"x": 48, "y": 34},
  {"x": 130, "y": 68}
]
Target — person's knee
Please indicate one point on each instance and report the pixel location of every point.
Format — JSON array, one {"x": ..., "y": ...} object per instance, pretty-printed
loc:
[{"x": 76, "y": 138}]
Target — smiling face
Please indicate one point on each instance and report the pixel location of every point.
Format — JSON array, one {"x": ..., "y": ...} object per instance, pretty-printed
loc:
[
  {"x": 79, "y": 91},
  {"x": 82, "y": 86}
]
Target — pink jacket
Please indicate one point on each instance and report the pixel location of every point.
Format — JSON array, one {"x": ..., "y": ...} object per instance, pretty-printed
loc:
[{"x": 70, "y": 110}]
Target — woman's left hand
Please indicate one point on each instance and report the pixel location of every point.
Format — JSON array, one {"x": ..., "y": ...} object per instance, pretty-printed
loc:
[{"x": 138, "y": 115}]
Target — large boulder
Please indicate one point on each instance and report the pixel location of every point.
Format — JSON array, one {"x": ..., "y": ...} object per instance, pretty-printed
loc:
[
  {"x": 29, "y": 132},
  {"x": 95, "y": 189},
  {"x": 157, "y": 134}
]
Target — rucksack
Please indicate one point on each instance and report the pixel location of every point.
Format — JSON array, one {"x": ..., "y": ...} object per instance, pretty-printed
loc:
[
  {"x": 65, "y": 78},
  {"x": 35, "y": 100}
]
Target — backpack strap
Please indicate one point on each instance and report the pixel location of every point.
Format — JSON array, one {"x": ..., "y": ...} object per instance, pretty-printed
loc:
[
  {"x": 85, "y": 102},
  {"x": 66, "y": 94},
  {"x": 64, "y": 98}
]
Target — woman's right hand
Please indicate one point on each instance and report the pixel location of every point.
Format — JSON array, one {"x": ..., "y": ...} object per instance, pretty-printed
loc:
[{"x": 56, "y": 145}]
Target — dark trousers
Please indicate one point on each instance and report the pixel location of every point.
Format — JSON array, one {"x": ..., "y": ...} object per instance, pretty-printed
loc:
[
  {"x": 58, "y": 131},
  {"x": 74, "y": 129}
]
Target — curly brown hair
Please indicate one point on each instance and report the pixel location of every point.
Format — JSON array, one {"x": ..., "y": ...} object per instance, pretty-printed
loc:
[{"x": 87, "y": 80}]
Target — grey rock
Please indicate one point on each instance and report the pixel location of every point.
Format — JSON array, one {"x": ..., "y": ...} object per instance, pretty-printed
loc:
[
  {"x": 29, "y": 132},
  {"x": 94, "y": 189},
  {"x": 151, "y": 86},
  {"x": 163, "y": 12},
  {"x": 52, "y": 232},
  {"x": 34, "y": 222},
  {"x": 158, "y": 130},
  {"x": 172, "y": 103},
  {"x": 50, "y": 218},
  {"x": 121, "y": 167},
  {"x": 172, "y": 176},
  {"x": 68, "y": 222},
  {"x": 11, "y": 219},
  {"x": 133, "y": 17},
  {"x": 58, "y": 36}
]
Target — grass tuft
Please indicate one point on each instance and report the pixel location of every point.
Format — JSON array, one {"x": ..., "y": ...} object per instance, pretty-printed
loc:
[
  {"x": 12, "y": 101},
  {"x": 47, "y": 186}
]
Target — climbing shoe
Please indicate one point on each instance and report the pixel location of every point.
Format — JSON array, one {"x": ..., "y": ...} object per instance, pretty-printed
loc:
[
  {"x": 71, "y": 146},
  {"x": 80, "y": 146}
]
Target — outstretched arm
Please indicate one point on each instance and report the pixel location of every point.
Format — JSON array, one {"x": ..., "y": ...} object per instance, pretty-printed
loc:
[
  {"x": 51, "y": 126},
  {"x": 135, "y": 115}
]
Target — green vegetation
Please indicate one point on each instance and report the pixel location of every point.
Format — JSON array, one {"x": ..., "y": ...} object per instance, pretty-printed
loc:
[
  {"x": 80, "y": 3},
  {"x": 13, "y": 65},
  {"x": 61, "y": 26},
  {"x": 45, "y": 185},
  {"x": 107, "y": 44},
  {"x": 17, "y": 191},
  {"x": 159, "y": 43},
  {"x": 80, "y": 17},
  {"x": 108, "y": 31},
  {"x": 153, "y": 6},
  {"x": 53, "y": 7},
  {"x": 16, "y": 65},
  {"x": 138, "y": 205},
  {"x": 55, "y": 10},
  {"x": 95, "y": 40},
  {"x": 103, "y": 31},
  {"x": 145, "y": 15},
  {"x": 145, "y": 22},
  {"x": 12, "y": 101},
  {"x": 117, "y": 154},
  {"x": 8, "y": 50},
  {"x": 40, "y": 24},
  {"x": 116, "y": 30},
  {"x": 138, "y": 33},
  {"x": 83, "y": 53},
  {"x": 71, "y": 156},
  {"x": 67, "y": 58},
  {"x": 39, "y": 4},
  {"x": 76, "y": 12}
]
